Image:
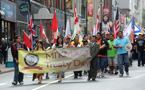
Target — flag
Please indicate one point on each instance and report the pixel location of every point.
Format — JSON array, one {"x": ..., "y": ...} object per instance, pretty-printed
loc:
[
  {"x": 76, "y": 22},
  {"x": 94, "y": 30},
  {"x": 27, "y": 40},
  {"x": 31, "y": 26},
  {"x": 129, "y": 28},
  {"x": 42, "y": 32},
  {"x": 54, "y": 27},
  {"x": 132, "y": 30},
  {"x": 68, "y": 28},
  {"x": 116, "y": 24},
  {"x": 97, "y": 26},
  {"x": 137, "y": 30}
]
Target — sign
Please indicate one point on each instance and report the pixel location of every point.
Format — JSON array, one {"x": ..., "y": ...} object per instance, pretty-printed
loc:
[
  {"x": 24, "y": 8},
  {"x": 54, "y": 60},
  {"x": 9, "y": 10}
]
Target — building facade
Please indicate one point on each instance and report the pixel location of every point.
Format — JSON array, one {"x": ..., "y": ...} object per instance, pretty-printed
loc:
[{"x": 7, "y": 19}]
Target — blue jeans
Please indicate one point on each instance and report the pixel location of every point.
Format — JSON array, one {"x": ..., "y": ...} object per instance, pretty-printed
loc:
[
  {"x": 141, "y": 58},
  {"x": 102, "y": 62},
  {"x": 18, "y": 76},
  {"x": 123, "y": 60}
]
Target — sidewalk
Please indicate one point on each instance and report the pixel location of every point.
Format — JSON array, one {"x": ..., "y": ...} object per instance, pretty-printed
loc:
[{"x": 3, "y": 69}]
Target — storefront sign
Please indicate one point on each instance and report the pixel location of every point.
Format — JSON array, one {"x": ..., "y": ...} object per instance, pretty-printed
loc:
[{"x": 24, "y": 8}]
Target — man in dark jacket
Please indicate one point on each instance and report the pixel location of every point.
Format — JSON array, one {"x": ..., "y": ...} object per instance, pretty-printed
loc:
[
  {"x": 140, "y": 49},
  {"x": 17, "y": 45},
  {"x": 93, "y": 64}
]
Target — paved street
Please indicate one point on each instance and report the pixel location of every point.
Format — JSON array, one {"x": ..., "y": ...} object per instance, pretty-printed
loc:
[{"x": 134, "y": 82}]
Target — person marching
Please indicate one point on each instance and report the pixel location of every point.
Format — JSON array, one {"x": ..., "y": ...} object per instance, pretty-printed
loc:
[
  {"x": 17, "y": 45},
  {"x": 112, "y": 61},
  {"x": 102, "y": 54},
  {"x": 39, "y": 76},
  {"x": 59, "y": 44},
  {"x": 76, "y": 43},
  {"x": 140, "y": 49},
  {"x": 94, "y": 47},
  {"x": 122, "y": 55}
]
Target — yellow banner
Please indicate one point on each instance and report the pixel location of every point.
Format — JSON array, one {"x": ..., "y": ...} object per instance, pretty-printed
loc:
[{"x": 54, "y": 60}]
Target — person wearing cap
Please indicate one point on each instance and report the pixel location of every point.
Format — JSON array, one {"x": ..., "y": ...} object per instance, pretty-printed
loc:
[{"x": 122, "y": 54}]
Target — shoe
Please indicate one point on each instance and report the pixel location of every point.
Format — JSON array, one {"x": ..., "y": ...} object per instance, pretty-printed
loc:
[
  {"x": 59, "y": 81},
  {"x": 121, "y": 75},
  {"x": 127, "y": 73},
  {"x": 75, "y": 77},
  {"x": 106, "y": 70},
  {"x": 116, "y": 73},
  {"x": 93, "y": 79},
  {"x": 89, "y": 79},
  {"x": 47, "y": 77},
  {"x": 14, "y": 83},
  {"x": 21, "y": 83},
  {"x": 39, "y": 82}
]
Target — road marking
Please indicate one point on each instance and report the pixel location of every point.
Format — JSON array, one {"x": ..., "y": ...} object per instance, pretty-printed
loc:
[
  {"x": 2, "y": 84},
  {"x": 40, "y": 87}
]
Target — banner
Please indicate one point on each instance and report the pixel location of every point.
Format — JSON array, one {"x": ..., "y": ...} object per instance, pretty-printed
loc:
[{"x": 54, "y": 60}]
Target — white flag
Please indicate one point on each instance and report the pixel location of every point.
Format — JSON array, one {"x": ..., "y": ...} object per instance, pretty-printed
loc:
[
  {"x": 68, "y": 29},
  {"x": 94, "y": 30}
]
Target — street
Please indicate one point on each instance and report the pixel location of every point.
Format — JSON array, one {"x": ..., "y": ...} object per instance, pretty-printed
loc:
[{"x": 111, "y": 82}]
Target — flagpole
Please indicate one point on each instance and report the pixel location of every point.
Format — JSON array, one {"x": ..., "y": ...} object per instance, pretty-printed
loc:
[
  {"x": 86, "y": 17},
  {"x": 65, "y": 16},
  {"x": 101, "y": 13}
]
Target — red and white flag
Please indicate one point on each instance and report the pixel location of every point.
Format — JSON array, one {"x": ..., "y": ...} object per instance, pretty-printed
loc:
[
  {"x": 116, "y": 24},
  {"x": 76, "y": 22},
  {"x": 54, "y": 27},
  {"x": 42, "y": 32},
  {"x": 31, "y": 26},
  {"x": 27, "y": 40}
]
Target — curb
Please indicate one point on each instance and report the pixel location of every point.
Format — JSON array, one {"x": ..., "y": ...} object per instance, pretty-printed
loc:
[{"x": 3, "y": 72}]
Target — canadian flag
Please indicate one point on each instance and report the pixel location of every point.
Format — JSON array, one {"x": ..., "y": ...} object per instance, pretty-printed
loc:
[
  {"x": 42, "y": 32},
  {"x": 54, "y": 27},
  {"x": 76, "y": 22},
  {"x": 27, "y": 40}
]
